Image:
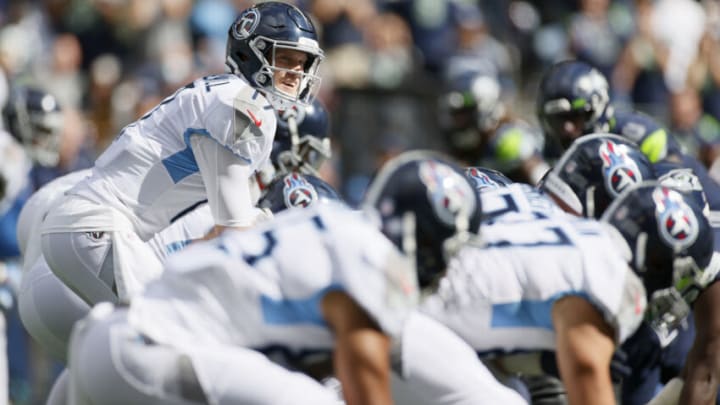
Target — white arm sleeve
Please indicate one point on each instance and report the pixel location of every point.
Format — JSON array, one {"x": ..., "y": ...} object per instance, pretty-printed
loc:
[{"x": 227, "y": 182}]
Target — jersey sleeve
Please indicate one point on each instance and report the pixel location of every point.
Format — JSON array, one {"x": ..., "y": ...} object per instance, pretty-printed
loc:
[
  {"x": 615, "y": 290},
  {"x": 227, "y": 182},
  {"x": 382, "y": 280},
  {"x": 243, "y": 122},
  {"x": 14, "y": 170}
]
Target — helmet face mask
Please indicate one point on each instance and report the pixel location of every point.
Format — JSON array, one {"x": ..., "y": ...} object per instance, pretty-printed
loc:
[
  {"x": 309, "y": 81},
  {"x": 256, "y": 41},
  {"x": 302, "y": 141}
]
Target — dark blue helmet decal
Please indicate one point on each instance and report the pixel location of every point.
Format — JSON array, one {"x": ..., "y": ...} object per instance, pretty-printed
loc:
[
  {"x": 619, "y": 169},
  {"x": 298, "y": 192},
  {"x": 486, "y": 179},
  {"x": 677, "y": 223}
]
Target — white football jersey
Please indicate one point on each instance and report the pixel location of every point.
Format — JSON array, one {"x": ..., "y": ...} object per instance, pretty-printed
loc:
[
  {"x": 498, "y": 295},
  {"x": 150, "y": 172},
  {"x": 35, "y": 210},
  {"x": 191, "y": 226},
  {"x": 15, "y": 168},
  {"x": 516, "y": 198},
  {"x": 262, "y": 288}
]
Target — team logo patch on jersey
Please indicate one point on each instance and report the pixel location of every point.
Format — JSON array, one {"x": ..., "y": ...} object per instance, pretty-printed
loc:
[
  {"x": 449, "y": 193},
  {"x": 298, "y": 192},
  {"x": 619, "y": 170},
  {"x": 676, "y": 221},
  {"x": 246, "y": 24},
  {"x": 481, "y": 180}
]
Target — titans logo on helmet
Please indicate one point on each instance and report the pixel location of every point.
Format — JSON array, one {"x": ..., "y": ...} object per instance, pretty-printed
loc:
[
  {"x": 619, "y": 170},
  {"x": 676, "y": 221},
  {"x": 481, "y": 180},
  {"x": 247, "y": 24},
  {"x": 449, "y": 193},
  {"x": 298, "y": 192}
]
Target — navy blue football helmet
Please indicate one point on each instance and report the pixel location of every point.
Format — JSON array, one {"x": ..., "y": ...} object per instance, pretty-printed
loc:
[
  {"x": 427, "y": 207},
  {"x": 650, "y": 135},
  {"x": 295, "y": 190},
  {"x": 35, "y": 119},
  {"x": 469, "y": 111},
  {"x": 255, "y": 37},
  {"x": 594, "y": 171},
  {"x": 573, "y": 99},
  {"x": 302, "y": 141},
  {"x": 672, "y": 248},
  {"x": 484, "y": 178}
]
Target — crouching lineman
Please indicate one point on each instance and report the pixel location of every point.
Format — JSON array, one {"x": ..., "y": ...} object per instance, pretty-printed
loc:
[
  {"x": 587, "y": 294},
  {"x": 585, "y": 177},
  {"x": 314, "y": 280}
]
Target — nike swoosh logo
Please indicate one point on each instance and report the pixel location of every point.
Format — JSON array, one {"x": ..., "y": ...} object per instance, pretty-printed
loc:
[{"x": 256, "y": 121}]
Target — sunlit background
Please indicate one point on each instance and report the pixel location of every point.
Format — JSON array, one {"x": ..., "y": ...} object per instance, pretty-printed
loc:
[{"x": 110, "y": 61}]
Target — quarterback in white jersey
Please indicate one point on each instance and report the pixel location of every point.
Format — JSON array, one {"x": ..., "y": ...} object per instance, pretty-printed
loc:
[{"x": 203, "y": 143}]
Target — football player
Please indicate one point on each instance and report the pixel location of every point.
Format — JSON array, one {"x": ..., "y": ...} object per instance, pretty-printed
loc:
[
  {"x": 202, "y": 143},
  {"x": 500, "y": 196},
  {"x": 573, "y": 100},
  {"x": 315, "y": 280},
  {"x": 584, "y": 182},
  {"x": 479, "y": 128},
  {"x": 575, "y": 287}
]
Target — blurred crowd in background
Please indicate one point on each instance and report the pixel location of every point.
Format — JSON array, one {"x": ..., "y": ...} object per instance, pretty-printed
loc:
[{"x": 387, "y": 61}]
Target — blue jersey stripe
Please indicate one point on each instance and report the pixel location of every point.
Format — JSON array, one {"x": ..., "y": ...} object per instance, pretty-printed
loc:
[
  {"x": 527, "y": 313},
  {"x": 288, "y": 312},
  {"x": 183, "y": 164}
]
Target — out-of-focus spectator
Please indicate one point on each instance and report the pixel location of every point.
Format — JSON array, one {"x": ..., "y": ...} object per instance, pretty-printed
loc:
[
  {"x": 658, "y": 58},
  {"x": 342, "y": 25},
  {"x": 476, "y": 46},
  {"x": 433, "y": 24},
  {"x": 392, "y": 60},
  {"x": 208, "y": 21},
  {"x": 62, "y": 76},
  {"x": 77, "y": 148},
  {"x": 105, "y": 74},
  {"x": 697, "y": 132},
  {"x": 597, "y": 33}
]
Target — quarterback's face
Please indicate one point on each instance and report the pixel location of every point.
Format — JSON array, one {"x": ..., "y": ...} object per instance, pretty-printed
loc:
[{"x": 290, "y": 63}]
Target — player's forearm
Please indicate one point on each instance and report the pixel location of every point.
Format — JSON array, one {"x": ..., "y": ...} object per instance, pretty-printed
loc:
[
  {"x": 702, "y": 368},
  {"x": 363, "y": 367},
  {"x": 701, "y": 386}
]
